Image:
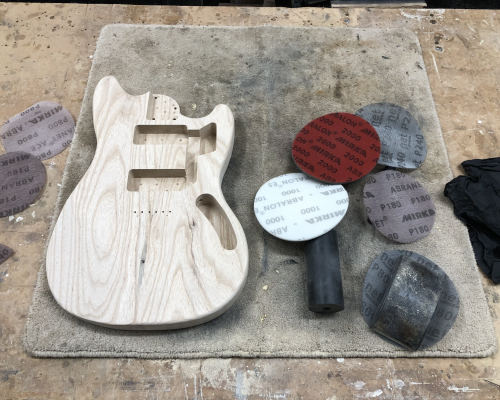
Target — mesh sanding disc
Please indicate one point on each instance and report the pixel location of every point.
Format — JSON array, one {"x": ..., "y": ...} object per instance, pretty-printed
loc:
[
  {"x": 5, "y": 252},
  {"x": 44, "y": 130},
  {"x": 398, "y": 206},
  {"x": 403, "y": 144},
  {"x": 379, "y": 279},
  {"x": 336, "y": 148},
  {"x": 22, "y": 178},
  {"x": 295, "y": 207}
]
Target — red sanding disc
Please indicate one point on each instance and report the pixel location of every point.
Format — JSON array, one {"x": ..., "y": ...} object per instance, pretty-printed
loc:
[{"x": 336, "y": 148}]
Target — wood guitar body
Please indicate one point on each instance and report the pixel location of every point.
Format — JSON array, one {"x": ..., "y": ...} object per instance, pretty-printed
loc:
[{"x": 146, "y": 240}]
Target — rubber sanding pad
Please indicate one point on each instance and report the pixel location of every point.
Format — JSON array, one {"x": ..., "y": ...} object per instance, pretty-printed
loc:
[
  {"x": 398, "y": 206},
  {"x": 5, "y": 252},
  {"x": 409, "y": 300},
  {"x": 403, "y": 144},
  {"x": 295, "y": 207},
  {"x": 44, "y": 130},
  {"x": 336, "y": 148},
  {"x": 22, "y": 179}
]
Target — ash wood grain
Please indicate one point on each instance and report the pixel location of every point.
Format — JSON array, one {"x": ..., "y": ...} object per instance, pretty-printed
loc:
[{"x": 146, "y": 240}]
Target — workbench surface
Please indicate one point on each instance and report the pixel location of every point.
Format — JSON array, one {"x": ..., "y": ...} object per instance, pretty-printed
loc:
[{"x": 46, "y": 53}]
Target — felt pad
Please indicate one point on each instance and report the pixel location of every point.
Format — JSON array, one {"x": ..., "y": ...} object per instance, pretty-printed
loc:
[
  {"x": 378, "y": 281},
  {"x": 403, "y": 144},
  {"x": 22, "y": 178},
  {"x": 336, "y": 148},
  {"x": 264, "y": 75},
  {"x": 5, "y": 252},
  {"x": 295, "y": 207},
  {"x": 398, "y": 206},
  {"x": 44, "y": 130}
]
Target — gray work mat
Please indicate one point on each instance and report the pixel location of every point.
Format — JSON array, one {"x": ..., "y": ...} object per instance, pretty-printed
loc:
[{"x": 275, "y": 80}]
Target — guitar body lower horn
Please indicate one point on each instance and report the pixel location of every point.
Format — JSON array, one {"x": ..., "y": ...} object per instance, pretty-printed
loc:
[{"x": 146, "y": 240}]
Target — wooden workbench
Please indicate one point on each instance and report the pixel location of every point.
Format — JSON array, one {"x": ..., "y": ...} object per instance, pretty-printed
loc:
[{"x": 46, "y": 53}]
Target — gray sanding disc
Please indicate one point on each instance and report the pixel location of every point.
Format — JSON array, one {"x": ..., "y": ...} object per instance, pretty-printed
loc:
[
  {"x": 398, "y": 206},
  {"x": 403, "y": 144},
  {"x": 296, "y": 207},
  {"x": 44, "y": 130},
  {"x": 379, "y": 280},
  {"x": 22, "y": 179},
  {"x": 5, "y": 252}
]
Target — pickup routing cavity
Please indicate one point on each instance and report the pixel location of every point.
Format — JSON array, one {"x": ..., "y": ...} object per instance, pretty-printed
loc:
[
  {"x": 171, "y": 154},
  {"x": 167, "y": 135},
  {"x": 149, "y": 180}
]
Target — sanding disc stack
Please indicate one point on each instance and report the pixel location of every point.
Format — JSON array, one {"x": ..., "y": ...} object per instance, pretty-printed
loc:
[
  {"x": 398, "y": 206},
  {"x": 340, "y": 148},
  {"x": 331, "y": 150},
  {"x": 38, "y": 133},
  {"x": 35, "y": 134}
]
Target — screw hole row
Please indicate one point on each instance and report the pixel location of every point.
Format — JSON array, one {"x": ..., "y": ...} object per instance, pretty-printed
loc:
[{"x": 149, "y": 212}]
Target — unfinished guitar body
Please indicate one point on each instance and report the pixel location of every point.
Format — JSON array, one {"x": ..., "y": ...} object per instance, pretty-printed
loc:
[{"x": 147, "y": 240}]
